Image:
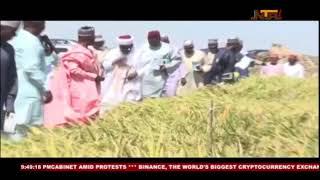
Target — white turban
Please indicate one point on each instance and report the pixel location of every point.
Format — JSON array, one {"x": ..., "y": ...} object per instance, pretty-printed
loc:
[
  {"x": 125, "y": 40},
  {"x": 188, "y": 43},
  {"x": 14, "y": 24}
]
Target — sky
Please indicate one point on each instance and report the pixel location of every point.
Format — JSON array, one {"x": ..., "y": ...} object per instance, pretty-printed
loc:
[{"x": 301, "y": 36}]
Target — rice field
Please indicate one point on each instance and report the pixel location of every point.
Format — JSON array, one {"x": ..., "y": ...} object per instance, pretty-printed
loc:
[{"x": 271, "y": 117}]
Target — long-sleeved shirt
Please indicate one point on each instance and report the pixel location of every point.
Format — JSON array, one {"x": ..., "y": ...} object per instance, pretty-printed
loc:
[
  {"x": 116, "y": 88},
  {"x": 272, "y": 70},
  {"x": 194, "y": 77},
  {"x": 31, "y": 70},
  {"x": 30, "y": 61},
  {"x": 75, "y": 91}
]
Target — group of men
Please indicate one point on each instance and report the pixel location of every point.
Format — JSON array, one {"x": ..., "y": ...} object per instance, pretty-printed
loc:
[
  {"x": 25, "y": 64},
  {"x": 89, "y": 80},
  {"x": 291, "y": 68}
]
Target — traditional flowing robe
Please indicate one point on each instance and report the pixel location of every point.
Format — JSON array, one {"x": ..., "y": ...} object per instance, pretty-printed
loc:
[
  {"x": 116, "y": 87},
  {"x": 209, "y": 62},
  {"x": 31, "y": 69},
  {"x": 194, "y": 78},
  {"x": 148, "y": 62},
  {"x": 296, "y": 70},
  {"x": 74, "y": 89}
]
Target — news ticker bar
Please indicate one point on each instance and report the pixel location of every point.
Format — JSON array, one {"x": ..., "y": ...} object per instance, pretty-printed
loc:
[{"x": 168, "y": 167}]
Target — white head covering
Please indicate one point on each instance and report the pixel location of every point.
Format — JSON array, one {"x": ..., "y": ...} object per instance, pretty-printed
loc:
[
  {"x": 125, "y": 40},
  {"x": 14, "y": 24},
  {"x": 188, "y": 43},
  {"x": 213, "y": 41}
]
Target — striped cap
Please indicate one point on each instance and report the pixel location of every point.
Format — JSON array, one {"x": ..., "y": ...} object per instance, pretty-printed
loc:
[{"x": 86, "y": 31}]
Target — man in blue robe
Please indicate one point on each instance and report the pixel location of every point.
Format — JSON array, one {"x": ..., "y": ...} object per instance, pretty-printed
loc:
[{"x": 31, "y": 69}]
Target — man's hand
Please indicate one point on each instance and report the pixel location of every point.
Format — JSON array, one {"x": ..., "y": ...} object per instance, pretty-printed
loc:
[
  {"x": 132, "y": 75},
  {"x": 162, "y": 68},
  {"x": 199, "y": 68},
  {"x": 99, "y": 78},
  {"x": 252, "y": 64},
  {"x": 47, "y": 97},
  {"x": 10, "y": 103},
  {"x": 48, "y": 46},
  {"x": 183, "y": 81}
]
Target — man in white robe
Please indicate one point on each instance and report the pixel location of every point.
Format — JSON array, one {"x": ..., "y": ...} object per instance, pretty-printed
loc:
[
  {"x": 156, "y": 61},
  {"x": 210, "y": 56},
  {"x": 292, "y": 68},
  {"x": 196, "y": 63},
  {"x": 122, "y": 82}
]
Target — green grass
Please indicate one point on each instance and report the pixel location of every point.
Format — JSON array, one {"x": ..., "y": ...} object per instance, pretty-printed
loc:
[{"x": 275, "y": 117}]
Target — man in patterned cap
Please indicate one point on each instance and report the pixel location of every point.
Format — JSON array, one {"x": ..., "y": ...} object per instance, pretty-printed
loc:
[
  {"x": 195, "y": 61},
  {"x": 225, "y": 62},
  {"x": 99, "y": 48},
  {"x": 212, "y": 51},
  {"x": 79, "y": 75},
  {"x": 156, "y": 60},
  {"x": 213, "y": 45},
  {"x": 122, "y": 82}
]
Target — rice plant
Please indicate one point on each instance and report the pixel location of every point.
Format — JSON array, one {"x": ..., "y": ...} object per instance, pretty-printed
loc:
[{"x": 257, "y": 117}]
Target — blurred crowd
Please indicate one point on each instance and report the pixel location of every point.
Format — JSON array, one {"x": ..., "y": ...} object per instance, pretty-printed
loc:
[{"x": 40, "y": 87}]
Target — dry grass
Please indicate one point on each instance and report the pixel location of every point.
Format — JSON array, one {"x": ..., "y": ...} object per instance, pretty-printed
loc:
[{"x": 275, "y": 117}]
